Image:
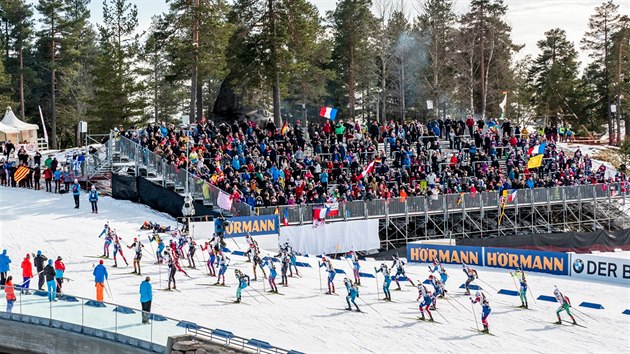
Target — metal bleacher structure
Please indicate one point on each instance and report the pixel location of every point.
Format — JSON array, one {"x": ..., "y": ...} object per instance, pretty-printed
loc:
[{"x": 579, "y": 208}]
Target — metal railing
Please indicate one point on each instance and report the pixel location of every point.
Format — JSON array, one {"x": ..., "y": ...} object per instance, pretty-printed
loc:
[
  {"x": 145, "y": 163},
  {"x": 118, "y": 322},
  {"x": 451, "y": 203}
]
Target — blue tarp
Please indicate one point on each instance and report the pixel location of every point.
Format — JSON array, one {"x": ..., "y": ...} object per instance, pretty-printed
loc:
[
  {"x": 592, "y": 305},
  {"x": 547, "y": 298},
  {"x": 125, "y": 310},
  {"x": 508, "y": 292},
  {"x": 95, "y": 303}
]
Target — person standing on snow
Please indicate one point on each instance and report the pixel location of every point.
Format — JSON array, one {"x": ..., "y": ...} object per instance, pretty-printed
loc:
[
  {"x": 76, "y": 193},
  {"x": 146, "y": 297},
  {"x": 93, "y": 198},
  {"x": 100, "y": 275},
  {"x": 60, "y": 268},
  {"x": 49, "y": 273},
  {"x": 27, "y": 274},
  {"x": 39, "y": 262},
  {"x": 5, "y": 262},
  {"x": 10, "y": 291},
  {"x": 137, "y": 247}
]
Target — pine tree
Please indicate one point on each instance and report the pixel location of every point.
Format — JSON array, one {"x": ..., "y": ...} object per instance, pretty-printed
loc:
[
  {"x": 52, "y": 18},
  {"x": 436, "y": 26},
  {"x": 352, "y": 23},
  {"x": 118, "y": 92},
  {"x": 5, "y": 89},
  {"x": 554, "y": 74},
  {"x": 598, "y": 40},
  {"x": 17, "y": 23}
]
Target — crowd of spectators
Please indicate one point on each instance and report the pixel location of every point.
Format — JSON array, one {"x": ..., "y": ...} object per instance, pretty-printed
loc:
[{"x": 266, "y": 165}]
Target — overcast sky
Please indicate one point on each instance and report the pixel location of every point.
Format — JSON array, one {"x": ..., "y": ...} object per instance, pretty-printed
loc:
[{"x": 529, "y": 18}]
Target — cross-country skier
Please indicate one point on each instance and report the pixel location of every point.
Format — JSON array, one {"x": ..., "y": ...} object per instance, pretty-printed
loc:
[
  {"x": 400, "y": 270},
  {"x": 386, "y": 281},
  {"x": 520, "y": 275},
  {"x": 243, "y": 282},
  {"x": 471, "y": 274},
  {"x": 250, "y": 247},
  {"x": 440, "y": 291},
  {"x": 192, "y": 247},
  {"x": 353, "y": 293},
  {"x": 257, "y": 260},
  {"x": 172, "y": 268},
  {"x": 485, "y": 308},
  {"x": 331, "y": 274},
  {"x": 426, "y": 300},
  {"x": 160, "y": 247},
  {"x": 293, "y": 258},
  {"x": 437, "y": 266},
  {"x": 355, "y": 267},
  {"x": 137, "y": 247},
  {"x": 117, "y": 250},
  {"x": 175, "y": 256},
  {"x": 285, "y": 262},
  {"x": 107, "y": 231},
  {"x": 268, "y": 261},
  {"x": 211, "y": 258},
  {"x": 565, "y": 305},
  {"x": 182, "y": 240},
  {"x": 224, "y": 262}
]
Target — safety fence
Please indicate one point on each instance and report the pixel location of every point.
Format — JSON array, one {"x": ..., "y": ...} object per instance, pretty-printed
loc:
[
  {"x": 120, "y": 323},
  {"x": 449, "y": 203}
]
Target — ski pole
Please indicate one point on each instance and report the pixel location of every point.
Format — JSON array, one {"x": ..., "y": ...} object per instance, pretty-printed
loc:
[
  {"x": 160, "y": 273},
  {"x": 253, "y": 297},
  {"x": 474, "y": 314},
  {"x": 578, "y": 311},
  {"x": 263, "y": 295},
  {"x": 490, "y": 286},
  {"x": 514, "y": 281},
  {"x": 385, "y": 318},
  {"x": 319, "y": 268},
  {"x": 459, "y": 303},
  {"x": 436, "y": 311},
  {"x": 529, "y": 288},
  {"x": 111, "y": 295},
  {"x": 378, "y": 294},
  {"x": 450, "y": 303}
]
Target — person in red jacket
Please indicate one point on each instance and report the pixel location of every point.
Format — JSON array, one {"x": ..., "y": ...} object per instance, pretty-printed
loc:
[
  {"x": 60, "y": 268},
  {"x": 27, "y": 274},
  {"x": 48, "y": 175},
  {"x": 9, "y": 290}
]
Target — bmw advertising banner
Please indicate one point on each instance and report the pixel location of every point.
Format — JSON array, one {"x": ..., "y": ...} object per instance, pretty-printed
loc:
[{"x": 606, "y": 269}]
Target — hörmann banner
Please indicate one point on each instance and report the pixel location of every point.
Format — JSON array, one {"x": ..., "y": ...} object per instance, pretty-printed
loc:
[
  {"x": 545, "y": 262},
  {"x": 535, "y": 261},
  {"x": 606, "y": 269},
  {"x": 426, "y": 253},
  {"x": 254, "y": 225}
]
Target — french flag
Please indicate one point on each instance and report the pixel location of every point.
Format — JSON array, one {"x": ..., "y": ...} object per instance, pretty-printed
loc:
[
  {"x": 328, "y": 112},
  {"x": 538, "y": 149}
]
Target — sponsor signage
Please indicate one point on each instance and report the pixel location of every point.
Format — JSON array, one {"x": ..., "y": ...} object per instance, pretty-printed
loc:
[
  {"x": 607, "y": 269},
  {"x": 534, "y": 261},
  {"x": 254, "y": 225},
  {"x": 425, "y": 253}
]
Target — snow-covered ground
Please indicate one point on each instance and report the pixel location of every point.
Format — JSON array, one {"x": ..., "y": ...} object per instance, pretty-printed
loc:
[{"x": 303, "y": 318}]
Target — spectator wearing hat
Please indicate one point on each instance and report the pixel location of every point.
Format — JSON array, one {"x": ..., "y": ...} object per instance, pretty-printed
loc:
[
  {"x": 27, "y": 274},
  {"x": 76, "y": 193},
  {"x": 100, "y": 275},
  {"x": 57, "y": 177},
  {"x": 60, "y": 268},
  {"x": 39, "y": 263},
  {"x": 50, "y": 274},
  {"x": 93, "y": 198},
  {"x": 5, "y": 262}
]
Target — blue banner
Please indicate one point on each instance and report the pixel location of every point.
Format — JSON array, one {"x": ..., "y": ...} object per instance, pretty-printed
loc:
[
  {"x": 535, "y": 261},
  {"x": 507, "y": 258},
  {"x": 425, "y": 253},
  {"x": 254, "y": 225}
]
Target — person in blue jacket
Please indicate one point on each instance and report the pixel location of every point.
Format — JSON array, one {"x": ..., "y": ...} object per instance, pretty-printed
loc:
[
  {"x": 386, "y": 281},
  {"x": 243, "y": 282},
  {"x": 93, "y": 198},
  {"x": 100, "y": 275},
  {"x": 353, "y": 293},
  {"x": 57, "y": 178},
  {"x": 5, "y": 262},
  {"x": 76, "y": 193},
  {"x": 146, "y": 296}
]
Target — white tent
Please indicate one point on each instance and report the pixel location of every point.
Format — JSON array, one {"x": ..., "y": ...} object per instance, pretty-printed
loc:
[
  {"x": 9, "y": 133},
  {"x": 27, "y": 131}
]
